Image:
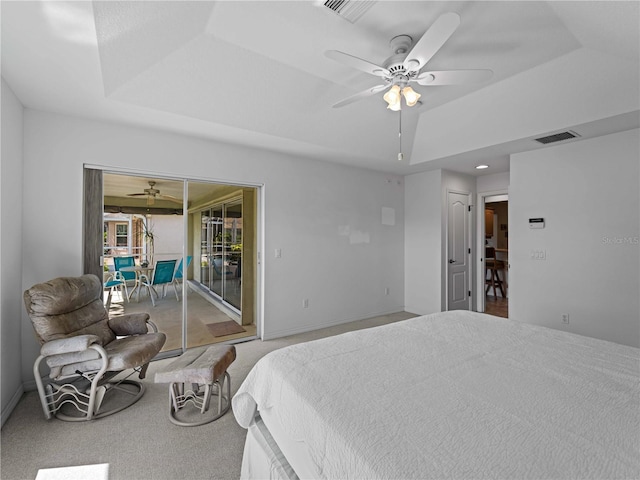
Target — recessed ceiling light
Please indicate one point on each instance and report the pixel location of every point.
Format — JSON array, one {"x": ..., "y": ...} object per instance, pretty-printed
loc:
[{"x": 480, "y": 167}]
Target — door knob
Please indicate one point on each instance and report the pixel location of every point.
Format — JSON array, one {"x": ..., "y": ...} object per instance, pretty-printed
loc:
[{"x": 451, "y": 260}]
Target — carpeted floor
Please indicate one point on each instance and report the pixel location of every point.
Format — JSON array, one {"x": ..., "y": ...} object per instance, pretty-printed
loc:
[{"x": 140, "y": 443}]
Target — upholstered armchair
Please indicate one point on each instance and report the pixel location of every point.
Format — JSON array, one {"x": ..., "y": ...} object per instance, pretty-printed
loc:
[{"x": 85, "y": 349}]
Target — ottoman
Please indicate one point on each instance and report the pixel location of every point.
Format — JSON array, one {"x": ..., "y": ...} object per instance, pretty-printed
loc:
[{"x": 200, "y": 368}]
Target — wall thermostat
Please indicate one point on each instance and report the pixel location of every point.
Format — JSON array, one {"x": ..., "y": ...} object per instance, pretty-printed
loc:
[{"x": 536, "y": 223}]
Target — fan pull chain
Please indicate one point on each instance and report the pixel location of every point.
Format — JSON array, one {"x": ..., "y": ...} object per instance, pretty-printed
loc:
[{"x": 400, "y": 155}]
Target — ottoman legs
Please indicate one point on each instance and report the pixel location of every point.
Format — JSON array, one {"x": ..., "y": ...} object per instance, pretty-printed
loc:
[{"x": 180, "y": 398}]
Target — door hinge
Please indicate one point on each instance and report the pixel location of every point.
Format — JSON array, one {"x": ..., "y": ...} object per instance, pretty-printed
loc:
[
  {"x": 469, "y": 293},
  {"x": 469, "y": 207},
  {"x": 469, "y": 251}
]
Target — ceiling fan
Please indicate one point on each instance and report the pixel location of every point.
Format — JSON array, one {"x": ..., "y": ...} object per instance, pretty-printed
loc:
[
  {"x": 405, "y": 66},
  {"x": 152, "y": 193}
]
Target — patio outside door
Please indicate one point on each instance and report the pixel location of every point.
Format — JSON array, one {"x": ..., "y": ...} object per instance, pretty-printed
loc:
[{"x": 221, "y": 252}]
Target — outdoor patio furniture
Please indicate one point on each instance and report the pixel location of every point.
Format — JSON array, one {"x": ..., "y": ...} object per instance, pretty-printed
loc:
[
  {"x": 118, "y": 283},
  {"x": 177, "y": 277},
  {"x": 162, "y": 276},
  {"x": 121, "y": 262}
]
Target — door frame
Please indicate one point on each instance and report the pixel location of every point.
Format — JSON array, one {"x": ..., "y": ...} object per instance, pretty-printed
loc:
[
  {"x": 185, "y": 178},
  {"x": 445, "y": 260},
  {"x": 480, "y": 277}
]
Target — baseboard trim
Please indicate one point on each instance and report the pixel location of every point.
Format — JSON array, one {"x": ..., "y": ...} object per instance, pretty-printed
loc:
[
  {"x": 311, "y": 328},
  {"x": 8, "y": 410}
]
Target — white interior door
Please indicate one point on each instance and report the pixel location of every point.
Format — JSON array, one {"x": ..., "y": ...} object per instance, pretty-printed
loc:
[{"x": 458, "y": 252}]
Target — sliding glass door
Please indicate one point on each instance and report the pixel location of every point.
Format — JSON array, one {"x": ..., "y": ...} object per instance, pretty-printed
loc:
[
  {"x": 221, "y": 251},
  {"x": 207, "y": 228}
]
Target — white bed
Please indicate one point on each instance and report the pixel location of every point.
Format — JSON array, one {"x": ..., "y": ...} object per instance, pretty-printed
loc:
[{"x": 449, "y": 395}]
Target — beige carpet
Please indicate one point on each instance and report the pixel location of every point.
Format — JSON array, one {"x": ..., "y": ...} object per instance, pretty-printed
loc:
[{"x": 140, "y": 443}]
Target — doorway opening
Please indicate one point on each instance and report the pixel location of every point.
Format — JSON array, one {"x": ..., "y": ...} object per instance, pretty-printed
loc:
[
  {"x": 210, "y": 231},
  {"x": 494, "y": 254}
]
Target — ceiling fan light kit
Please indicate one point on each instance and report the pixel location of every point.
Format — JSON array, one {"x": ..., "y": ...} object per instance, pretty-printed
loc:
[{"x": 394, "y": 97}]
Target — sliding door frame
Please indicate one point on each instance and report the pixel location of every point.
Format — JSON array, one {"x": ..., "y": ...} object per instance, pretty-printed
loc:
[
  {"x": 93, "y": 218},
  {"x": 92, "y": 242}
]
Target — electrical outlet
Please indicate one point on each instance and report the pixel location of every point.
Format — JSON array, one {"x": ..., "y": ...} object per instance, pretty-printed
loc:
[
  {"x": 386, "y": 291},
  {"x": 538, "y": 255},
  {"x": 565, "y": 318},
  {"x": 305, "y": 303},
  {"x": 278, "y": 253}
]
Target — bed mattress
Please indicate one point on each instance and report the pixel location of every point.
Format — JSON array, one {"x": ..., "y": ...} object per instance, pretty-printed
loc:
[{"x": 456, "y": 395}]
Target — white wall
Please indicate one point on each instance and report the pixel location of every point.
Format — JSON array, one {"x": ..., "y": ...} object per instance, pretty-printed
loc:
[
  {"x": 492, "y": 183},
  {"x": 325, "y": 218},
  {"x": 168, "y": 234},
  {"x": 423, "y": 242},
  {"x": 10, "y": 249},
  {"x": 425, "y": 264},
  {"x": 588, "y": 193}
]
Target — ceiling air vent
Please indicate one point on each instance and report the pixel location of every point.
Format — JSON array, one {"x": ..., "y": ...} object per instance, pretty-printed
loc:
[
  {"x": 557, "y": 137},
  {"x": 350, "y": 10}
]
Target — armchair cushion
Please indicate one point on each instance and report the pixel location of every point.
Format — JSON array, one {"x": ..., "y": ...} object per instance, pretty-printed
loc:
[
  {"x": 68, "y": 306},
  {"x": 128, "y": 352},
  {"x": 68, "y": 345},
  {"x": 131, "y": 324},
  {"x": 123, "y": 353},
  {"x": 67, "y": 364}
]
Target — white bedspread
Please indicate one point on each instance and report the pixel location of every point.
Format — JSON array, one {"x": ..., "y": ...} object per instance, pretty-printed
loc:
[{"x": 455, "y": 395}]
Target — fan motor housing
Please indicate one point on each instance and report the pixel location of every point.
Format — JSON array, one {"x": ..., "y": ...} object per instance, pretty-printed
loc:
[{"x": 400, "y": 45}]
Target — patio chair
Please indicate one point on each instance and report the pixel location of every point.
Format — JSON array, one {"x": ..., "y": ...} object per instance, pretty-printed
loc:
[
  {"x": 177, "y": 277},
  {"x": 219, "y": 269},
  {"x": 85, "y": 349},
  {"x": 121, "y": 262},
  {"x": 162, "y": 275},
  {"x": 118, "y": 283}
]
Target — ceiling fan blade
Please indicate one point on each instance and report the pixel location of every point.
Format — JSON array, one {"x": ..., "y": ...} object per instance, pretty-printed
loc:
[
  {"x": 453, "y": 77},
  {"x": 136, "y": 194},
  {"x": 366, "y": 93},
  {"x": 171, "y": 198},
  {"x": 431, "y": 41},
  {"x": 357, "y": 63}
]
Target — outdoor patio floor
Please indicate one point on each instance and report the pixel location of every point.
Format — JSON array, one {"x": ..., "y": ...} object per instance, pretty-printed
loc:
[{"x": 167, "y": 315}]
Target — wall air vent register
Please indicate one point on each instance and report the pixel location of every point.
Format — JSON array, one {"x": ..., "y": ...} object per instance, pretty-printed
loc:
[
  {"x": 350, "y": 10},
  {"x": 557, "y": 137}
]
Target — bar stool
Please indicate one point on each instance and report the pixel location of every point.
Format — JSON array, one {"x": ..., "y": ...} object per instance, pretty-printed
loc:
[{"x": 493, "y": 266}]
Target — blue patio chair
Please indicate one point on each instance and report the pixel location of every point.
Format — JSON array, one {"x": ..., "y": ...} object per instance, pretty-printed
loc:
[
  {"x": 162, "y": 275},
  {"x": 116, "y": 282},
  {"x": 177, "y": 277},
  {"x": 122, "y": 262},
  {"x": 219, "y": 270}
]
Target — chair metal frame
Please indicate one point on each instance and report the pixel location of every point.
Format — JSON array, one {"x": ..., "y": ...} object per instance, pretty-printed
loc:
[{"x": 87, "y": 399}]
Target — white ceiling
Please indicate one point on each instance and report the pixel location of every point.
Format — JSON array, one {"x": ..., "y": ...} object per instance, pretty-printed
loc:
[{"x": 255, "y": 73}]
